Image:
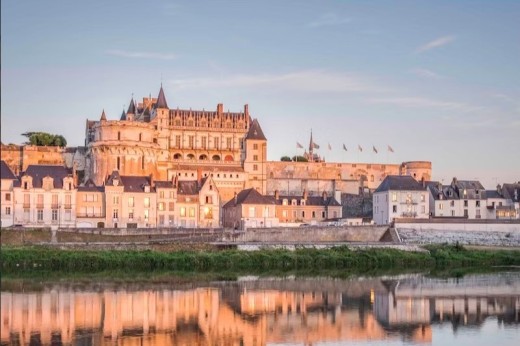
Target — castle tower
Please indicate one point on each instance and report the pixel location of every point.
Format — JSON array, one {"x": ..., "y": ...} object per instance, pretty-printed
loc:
[{"x": 256, "y": 156}]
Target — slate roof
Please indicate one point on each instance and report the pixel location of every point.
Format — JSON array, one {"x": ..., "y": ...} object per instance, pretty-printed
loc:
[
  {"x": 255, "y": 131},
  {"x": 471, "y": 187},
  {"x": 123, "y": 115},
  {"x": 311, "y": 200},
  {"x": 493, "y": 194},
  {"x": 135, "y": 183},
  {"x": 400, "y": 182},
  {"x": 131, "y": 107},
  {"x": 114, "y": 175},
  {"x": 163, "y": 184},
  {"x": 38, "y": 172},
  {"x": 90, "y": 186},
  {"x": 250, "y": 196},
  {"x": 103, "y": 116},
  {"x": 509, "y": 191},
  {"x": 190, "y": 187},
  {"x": 442, "y": 192},
  {"x": 5, "y": 171},
  {"x": 161, "y": 100}
]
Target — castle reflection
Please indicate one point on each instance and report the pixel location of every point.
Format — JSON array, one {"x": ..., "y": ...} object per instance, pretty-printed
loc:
[{"x": 254, "y": 312}]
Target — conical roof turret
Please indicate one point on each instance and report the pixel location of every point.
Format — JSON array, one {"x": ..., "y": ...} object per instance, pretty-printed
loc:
[
  {"x": 103, "y": 116},
  {"x": 161, "y": 99}
]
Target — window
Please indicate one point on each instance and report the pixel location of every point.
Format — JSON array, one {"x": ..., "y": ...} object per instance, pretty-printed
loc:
[
  {"x": 204, "y": 142},
  {"x": 183, "y": 211},
  {"x": 161, "y": 220},
  {"x": 285, "y": 202},
  {"x": 171, "y": 206},
  {"x": 466, "y": 203},
  {"x": 7, "y": 210},
  {"x": 252, "y": 211},
  {"x": 26, "y": 200},
  {"x": 228, "y": 143},
  {"x": 7, "y": 196},
  {"x": 394, "y": 196},
  {"x": 322, "y": 214},
  {"x": 441, "y": 206},
  {"x": 255, "y": 167},
  {"x": 293, "y": 202},
  {"x": 209, "y": 200},
  {"x": 215, "y": 142},
  {"x": 115, "y": 200},
  {"x": 208, "y": 213},
  {"x": 192, "y": 212},
  {"x": 40, "y": 200},
  {"x": 313, "y": 214},
  {"x": 40, "y": 215},
  {"x": 118, "y": 163},
  {"x": 140, "y": 137},
  {"x": 171, "y": 194},
  {"x": 131, "y": 214},
  {"x": 266, "y": 211},
  {"x": 255, "y": 157},
  {"x": 147, "y": 202},
  {"x": 394, "y": 209},
  {"x": 422, "y": 198},
  {"x": 161, "y": 194},
  {"x": 453, "y": 213},
  {"x": 115, "y": 214},
  {"x": 477, "y": 203},
  {"x": 161, "y": 206},
  {"x": 452, "y": 203},
  {"x": 146, "y": 214},
  {"x": 177, "y": 141},
  {"x": 130, "y": 201},
  {"x": 255, "y": 146},
  {"x": 303, "y": 214},
  {"x": 54, "y": 215},
  {"x": 191, "y": 141}
]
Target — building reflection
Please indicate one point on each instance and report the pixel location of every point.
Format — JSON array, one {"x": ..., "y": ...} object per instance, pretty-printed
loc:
[{"x": 244, "y": 314}]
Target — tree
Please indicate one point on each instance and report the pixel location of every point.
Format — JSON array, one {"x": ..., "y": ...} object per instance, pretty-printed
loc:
[
  {"x": 299, "y": 158},
  {"x": 45, "y": 139},
  {"x": 285, "y": 158}
]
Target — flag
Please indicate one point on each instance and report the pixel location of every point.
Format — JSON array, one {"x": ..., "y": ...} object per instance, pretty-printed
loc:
[
  {"x": 390, "y": 149},
  {"x": 315, "y": 146},
  {"x": 330, "y": 147},
  {"x": 344, "y": 147},
  {"x": 299, "y": 146},
  {"x": 359, "y": 147},
  {"x": 374, "y": 149}
]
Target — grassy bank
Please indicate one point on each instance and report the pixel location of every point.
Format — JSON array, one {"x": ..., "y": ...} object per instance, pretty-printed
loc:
[{"x": 44, "y": 259}]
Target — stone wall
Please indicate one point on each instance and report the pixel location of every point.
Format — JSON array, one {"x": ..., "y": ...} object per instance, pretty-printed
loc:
[{"x": 463, "y": 237}]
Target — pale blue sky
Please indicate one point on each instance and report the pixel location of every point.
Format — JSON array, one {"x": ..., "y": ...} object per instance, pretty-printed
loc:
[{"x": 436, "y": 80}]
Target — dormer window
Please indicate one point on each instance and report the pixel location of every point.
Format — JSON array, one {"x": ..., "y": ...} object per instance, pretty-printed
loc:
[
  {"x": 302, "y": 202},
  {"x": 147, "y": 188},
  {"x": 285, "y": 202},
  {"x": 293, "y": 202},
  {"x": 25, "y": 186},
  {"x": 115, "y": 182}
]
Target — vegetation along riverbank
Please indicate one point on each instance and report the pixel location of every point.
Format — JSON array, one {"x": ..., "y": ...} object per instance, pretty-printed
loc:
[{"x": 441, "y": 256}]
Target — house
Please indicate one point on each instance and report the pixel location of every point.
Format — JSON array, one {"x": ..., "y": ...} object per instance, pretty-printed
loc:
[
  {"x": 400, "y": 197},
  {"x": 249, "y": 209},
  {"x": 198, "y": 203},
  {"x": 90, "y": 205},
  {"x": 7, "y": 181},
  {"x": 511, "y": 193},
  {"x": 307, "y": 209},
  {"x": 45, "y": 196}
]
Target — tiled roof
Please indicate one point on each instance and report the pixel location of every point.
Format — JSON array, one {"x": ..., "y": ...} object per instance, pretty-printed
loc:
[
  {"x": 255, "y": 131},
  {"x": 5, "y": 171},
  {"x": 400, "y": 182},
  {"x": 250, "y": 196},
  {"x": 38, "y": 172}
]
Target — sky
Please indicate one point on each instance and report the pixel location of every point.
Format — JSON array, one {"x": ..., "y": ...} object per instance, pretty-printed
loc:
[{"x": 435, "y": 80}]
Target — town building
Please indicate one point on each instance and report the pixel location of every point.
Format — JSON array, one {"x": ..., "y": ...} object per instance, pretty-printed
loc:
[
  {"x": 90, "y": 206},
  {"x": 7, "y": 181},
  {"x": 400, "y": 197},
  {"x": 249, "y": 208},
  {"x": 45, "y": 196},
  {"x": 307, "y": 209}
]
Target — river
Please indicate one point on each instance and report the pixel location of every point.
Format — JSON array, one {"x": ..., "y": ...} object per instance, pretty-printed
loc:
[{"x": 417, "y": 309}]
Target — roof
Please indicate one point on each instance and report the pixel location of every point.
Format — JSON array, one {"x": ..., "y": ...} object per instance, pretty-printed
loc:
[
  {"x": 441, "y": 192},
  {"x": 188, "y": 187},
  {"x": 38, "y": 172},
  {"x": 89, "y": 186},
  {"x": 131, "y": 107},
  {"x": 400, "y": 182},
  {"x": 311, "y": 200},
  {"x": 135, "y": 183},
  {"x": 255, "y": 131},
  {"x": 163, "y": 184},
  {"x": 5, "y": 171},
  {"x": 161, "y": 100},
  {"x": 509, "y": 191},
  {"x": 103, "y": 116},
  {"x": 114, "y": 176},
  {"x": 123, "y": 115},
  {"x": 250, "y": 196},
  {"x": 493, "y": 194}
]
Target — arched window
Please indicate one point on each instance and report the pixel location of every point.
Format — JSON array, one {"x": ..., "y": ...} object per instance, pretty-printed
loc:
[
  {"x": 177, "y": 156},
  {"x": 215, "y": 158},
  {"x": 190, "y": 157},
  {"x": 228, "y": 158},
  {"x": 203, "y": 157}
]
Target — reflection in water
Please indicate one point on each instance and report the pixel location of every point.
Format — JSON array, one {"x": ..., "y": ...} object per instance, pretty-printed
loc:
[{"x": 256, "y": 312}]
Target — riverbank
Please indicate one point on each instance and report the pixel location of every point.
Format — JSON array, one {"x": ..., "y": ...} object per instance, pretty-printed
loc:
[{"x": 47, "y": 259}]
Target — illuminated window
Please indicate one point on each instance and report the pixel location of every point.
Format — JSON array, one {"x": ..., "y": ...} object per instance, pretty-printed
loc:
[
  {"x": 183, "y": 211},
  {"x": 131, "y": 201},
  {"x": 147, "y": 202}
]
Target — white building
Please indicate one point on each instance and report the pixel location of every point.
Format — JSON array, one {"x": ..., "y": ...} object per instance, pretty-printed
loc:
[
  {"x": 7, "y": 180},
  {"x": 400, "y": 197},
  {"x": 45, "y": 197}
]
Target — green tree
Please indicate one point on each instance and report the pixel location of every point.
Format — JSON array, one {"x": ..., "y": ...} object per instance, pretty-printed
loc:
[
  {"x": 45, "y": 139},
  {"x": 299, "y": 158},
  {"x": 285, "y": 158}
]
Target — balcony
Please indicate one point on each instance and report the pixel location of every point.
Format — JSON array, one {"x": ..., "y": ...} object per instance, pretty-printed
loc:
[
  {"x": 409, "y": 214},
  {"x": 409, "y": 202}
]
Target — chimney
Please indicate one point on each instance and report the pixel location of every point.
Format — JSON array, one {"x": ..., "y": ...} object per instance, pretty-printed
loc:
[
  {"x": 305, "y": 194},
  {"x": 423, "y": 182},
  {"x": 276, "y": 195},
  {"x": 75, "y": 174},
  {"x": 324, "y": 195},
  {"x": 199, "y": 176},
  {"x": 246, "y": 109},
  {"x": 499, "y": 189},
  {"x": 236, "y": 198},
  {"x": 454, "y": 182},
  {"x": 151, "y": 180},
  {"x": 220, "y": 108}
]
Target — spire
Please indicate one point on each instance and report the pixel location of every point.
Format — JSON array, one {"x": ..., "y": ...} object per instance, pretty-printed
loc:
[
  {"x": 123, "y": 115},
  {"x": 103, "y": 116},
  {"x": 311, "y": 144},
  {"x": 255, "y": 131},
  {"x": 161, "y": 100},
  {"x": 131, "y": 108}
]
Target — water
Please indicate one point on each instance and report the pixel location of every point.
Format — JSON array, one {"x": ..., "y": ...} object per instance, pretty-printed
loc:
[{"x": 481, "y": 309}]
